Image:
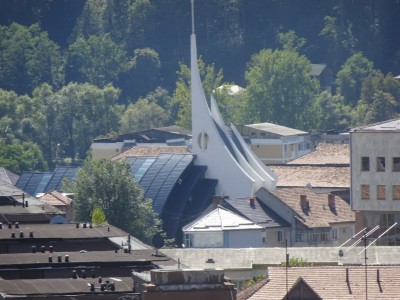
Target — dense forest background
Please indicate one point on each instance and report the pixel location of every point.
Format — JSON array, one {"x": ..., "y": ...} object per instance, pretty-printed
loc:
[{"x": 74, "y": 70}]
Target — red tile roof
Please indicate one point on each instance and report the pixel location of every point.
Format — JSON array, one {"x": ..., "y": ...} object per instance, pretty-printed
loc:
[
  {"x": 329, "y": 282},
  {"x": 317, "y": 176},
  {"x": 55, "y": 198},
  {"x": 319, "y": 213},
  {"x": 325, "y": 154}
]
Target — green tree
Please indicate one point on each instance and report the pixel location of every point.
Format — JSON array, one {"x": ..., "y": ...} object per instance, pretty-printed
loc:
[
  {"x": 98, "y": 216},
  {"x": 141, "y": 76},
  {"x": 350, "y": 77},
  {"x": 96, "y": 60},
  {"x": 109, "y": 186},
  {"x": 340, "y": 40},
  {"x": 279, "y": 88},
  {"x": 82, "y": 112},
  {"x": 297, "y": 262},
  {"x": 28, "y": 58},
  {"x": 142, "y": 115},
  {"x": 290, "y": 41},
  {"x": 180, "y": 102},
  {"x": 329, "y": 112},
  {"x": 18, "y": 157}
]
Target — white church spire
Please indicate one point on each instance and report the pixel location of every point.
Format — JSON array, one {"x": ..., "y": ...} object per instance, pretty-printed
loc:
[{"x": 213, "y": 147}]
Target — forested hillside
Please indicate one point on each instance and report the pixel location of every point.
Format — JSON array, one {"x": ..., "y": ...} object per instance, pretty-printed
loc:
[{"x": 73, "y": 70}]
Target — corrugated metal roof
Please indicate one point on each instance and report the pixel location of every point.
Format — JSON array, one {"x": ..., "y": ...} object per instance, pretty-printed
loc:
[{"x": 277, "y": 129}]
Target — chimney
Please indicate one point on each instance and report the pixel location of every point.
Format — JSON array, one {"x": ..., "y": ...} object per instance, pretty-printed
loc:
[
  {"x": 304, "y": 202},
  {"x": 216, "y": 200},
  {"x": 252, "y": 201},
  {"x": 331, "y": 200}
]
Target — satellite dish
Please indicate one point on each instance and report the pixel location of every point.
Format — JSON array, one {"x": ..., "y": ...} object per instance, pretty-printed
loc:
[{"x": 158, "y": 241}]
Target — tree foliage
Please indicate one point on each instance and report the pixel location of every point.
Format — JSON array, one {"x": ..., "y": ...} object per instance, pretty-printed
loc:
[
  {"x": 279, "y": 88},
  {"x": 350, "y": 77},
  {"x": 28, "y": 58},
  {"x": 108, "y": 185}
]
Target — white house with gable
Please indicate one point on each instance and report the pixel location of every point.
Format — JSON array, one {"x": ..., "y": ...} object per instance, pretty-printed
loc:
[{"x": 222, "y": 228}]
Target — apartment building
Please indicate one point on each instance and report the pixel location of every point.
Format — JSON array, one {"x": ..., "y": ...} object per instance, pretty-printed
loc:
[{"x": 375, "y": 180}]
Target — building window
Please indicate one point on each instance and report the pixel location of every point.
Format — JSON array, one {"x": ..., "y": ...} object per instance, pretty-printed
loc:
[
  {"x": 299, "y": 237},
  {"x": 364, "y": 163},
  {"x": 396, "y": 192},
  {"x": 280, "y": 236},
  {"x": 396, "y": 164},
  {"x": 380, "y": 164},
  {"x": 188, "y": 240},
  {"x": 365, "y": 191},
  {"x": 381, "y": 192},
  {"x": 285, "y": 148},
  {"x": 334, "y": 233}
]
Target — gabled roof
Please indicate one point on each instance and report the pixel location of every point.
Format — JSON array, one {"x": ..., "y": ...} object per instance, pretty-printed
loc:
[
  {"x": 220, "y": 219},
  {"x": 55, "y": 198},
  {"x": 8, "y": 176},
  {"x": 329, "y": 282},
  {"x": 325, "y": 154},
  {"x": 277, "y": 129},
  {"x": 259, "y": 213},
  {"x": 319, "y": 214},
  {"x": 317, "y": 69}
]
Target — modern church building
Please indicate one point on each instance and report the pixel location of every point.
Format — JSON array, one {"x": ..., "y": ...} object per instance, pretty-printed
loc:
[{"x": 182, "y": 180}]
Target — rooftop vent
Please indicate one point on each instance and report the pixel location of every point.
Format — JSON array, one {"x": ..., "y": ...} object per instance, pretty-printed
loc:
[
  {"x": 252, "y": 201},
  {"x": 331, "y": 200},
  {"x": 304, "y": 203}
]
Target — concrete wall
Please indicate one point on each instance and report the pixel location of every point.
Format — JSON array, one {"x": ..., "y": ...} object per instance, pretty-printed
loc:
[{"x": 374, "y": 145}]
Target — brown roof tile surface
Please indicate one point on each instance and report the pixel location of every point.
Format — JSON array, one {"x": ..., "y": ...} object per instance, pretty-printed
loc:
[
  {"x": 149, "y": 151},
  {"x": 330, "y": 282},
  {"x": 319, "y": 214},
  {"x": 325, "y": 154},
  {"x": 55, "y": 198},
  {"x": 317, "y": 176}
]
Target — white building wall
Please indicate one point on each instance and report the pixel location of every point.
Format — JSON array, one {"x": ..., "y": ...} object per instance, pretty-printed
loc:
[{"x": 244, "y": 239}]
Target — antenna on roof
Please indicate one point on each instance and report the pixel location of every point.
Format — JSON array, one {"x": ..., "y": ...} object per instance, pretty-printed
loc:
[
  {"x": 192, "y": 16},
  {"x": 364, "y": 237}
]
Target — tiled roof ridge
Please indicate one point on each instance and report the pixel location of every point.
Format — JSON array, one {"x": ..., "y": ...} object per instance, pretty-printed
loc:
[
  {"x": 59, "y": 196},
  {"x": 251, "y": 290}
]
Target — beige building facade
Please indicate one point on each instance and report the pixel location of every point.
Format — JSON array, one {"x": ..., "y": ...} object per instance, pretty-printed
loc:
[
  {"x": 375, "y": 180},
  {"x": 275, "y": 144}
]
